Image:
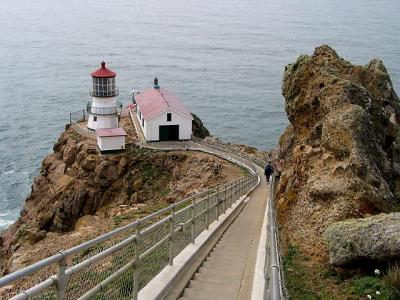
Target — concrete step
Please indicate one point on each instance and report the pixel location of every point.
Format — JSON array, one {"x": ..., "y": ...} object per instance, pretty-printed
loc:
[
  {"x": 222, "y": 262},
  {"x": 225, "y": 252},
  {"x": 207, "y": 284},
  {"x": 207, "y": 294},
  {"x": 221, "y": 267},
  {"x": 215, "y": 277},
  {"x": 220, "y": 271},
  {"x": 220, "y": 280},
  {"x": 226, "y": 248}
]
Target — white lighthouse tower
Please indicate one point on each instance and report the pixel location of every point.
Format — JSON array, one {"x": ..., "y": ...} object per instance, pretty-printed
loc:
[{"x": 103, "y": 109}]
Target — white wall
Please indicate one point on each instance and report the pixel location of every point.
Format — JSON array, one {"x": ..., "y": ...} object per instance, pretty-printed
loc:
[
  {"x": 106, "y": 143},
  {"x": 151, "y": 128},
  {"x": 108, "y": 121},
  {"x": 102, "y": 122}
]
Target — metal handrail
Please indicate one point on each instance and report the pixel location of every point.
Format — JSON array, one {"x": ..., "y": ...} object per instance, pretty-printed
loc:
[
  {"x": 172, "y": 212},
  {"x": 273, "y": 272},
  {"x": 104, "y": 111},
  {"x": 259, "y": 162}
]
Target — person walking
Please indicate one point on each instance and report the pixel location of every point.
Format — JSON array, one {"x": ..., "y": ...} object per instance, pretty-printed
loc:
[{"x": 269, "y": 169}]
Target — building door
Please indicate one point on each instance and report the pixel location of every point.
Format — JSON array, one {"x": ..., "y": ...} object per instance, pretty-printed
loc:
[{"x": 169, "y": 133}]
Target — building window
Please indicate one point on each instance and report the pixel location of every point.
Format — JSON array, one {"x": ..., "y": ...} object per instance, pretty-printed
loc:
[
  {"x": 142, "y": 122},
  {"x": 94, "y": 118},
  {"x": 169, "y": 117}
]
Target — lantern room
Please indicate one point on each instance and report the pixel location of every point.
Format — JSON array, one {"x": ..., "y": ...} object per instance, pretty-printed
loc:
[{"x": 104, "y": 82}]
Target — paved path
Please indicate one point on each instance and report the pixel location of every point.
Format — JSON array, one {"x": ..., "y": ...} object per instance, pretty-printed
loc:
[{"x": 228, "y": 271}]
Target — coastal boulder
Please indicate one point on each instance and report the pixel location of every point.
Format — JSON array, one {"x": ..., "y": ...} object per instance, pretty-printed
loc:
[{"x": 373, "y": 238}]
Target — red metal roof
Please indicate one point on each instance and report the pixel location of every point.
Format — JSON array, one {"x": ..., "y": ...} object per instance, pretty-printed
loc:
[
  {"x": 152, "y": 101},
  {"x": 107, "y": 132},
  {"x": 103, "y": 72}
]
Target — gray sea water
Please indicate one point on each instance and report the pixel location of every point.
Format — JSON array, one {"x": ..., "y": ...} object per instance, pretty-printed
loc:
[{"x": 224, "y": 58}]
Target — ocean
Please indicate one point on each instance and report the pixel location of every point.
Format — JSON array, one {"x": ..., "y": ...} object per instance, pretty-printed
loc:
[{"x": 224, "y": 59}]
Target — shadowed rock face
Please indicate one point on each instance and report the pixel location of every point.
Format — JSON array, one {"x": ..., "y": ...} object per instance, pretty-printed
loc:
[
  {"x": 341, "y": 149},
  {"x": 199, "y": 130}
]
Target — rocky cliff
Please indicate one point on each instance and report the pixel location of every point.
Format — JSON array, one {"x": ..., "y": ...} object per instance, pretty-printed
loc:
[
  {"x": 80, "y": 194},
  {"x": 341, "y": 150}
]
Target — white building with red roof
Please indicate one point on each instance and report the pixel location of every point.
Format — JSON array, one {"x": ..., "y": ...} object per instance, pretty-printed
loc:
[
  {"x": 162, "y": 116},
  {"x": 111, "y": 139}
]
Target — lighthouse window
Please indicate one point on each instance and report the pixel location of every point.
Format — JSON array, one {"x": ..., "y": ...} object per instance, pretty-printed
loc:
[
  {"x": 142, "y": 122},
  {"x": 104, "y": 86},
  {"x": 94, "y": 118},
  {"x": 169, "y": 117}
]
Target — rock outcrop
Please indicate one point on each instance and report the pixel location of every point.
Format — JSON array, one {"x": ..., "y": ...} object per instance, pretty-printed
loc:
[
  {"x": 341, "y": 150},
  {"x": 375, "y": 238},
  {"x": 199, "y": 130}
]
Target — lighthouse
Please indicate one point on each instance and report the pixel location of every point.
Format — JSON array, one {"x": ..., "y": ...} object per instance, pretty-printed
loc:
[{"x": 103, "y": 109}]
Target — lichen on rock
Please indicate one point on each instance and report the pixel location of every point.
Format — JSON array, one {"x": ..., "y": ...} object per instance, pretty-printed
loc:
[{"x": 373, "y": 238}]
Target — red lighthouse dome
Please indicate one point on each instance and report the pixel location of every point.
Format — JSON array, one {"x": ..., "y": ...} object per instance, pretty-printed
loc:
[
  {"x": 104, "y": 82},
  {"x": 103, "y": 72}
]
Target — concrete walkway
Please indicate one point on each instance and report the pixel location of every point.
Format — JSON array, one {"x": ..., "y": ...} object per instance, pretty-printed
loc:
[{"x": 228, "y": 271}]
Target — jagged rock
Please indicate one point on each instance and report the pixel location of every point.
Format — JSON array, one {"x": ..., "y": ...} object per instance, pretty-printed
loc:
[
  {"x": 373, "y": 238},
  {"x": 89, "y": 163},
  {"x": 26, "y": 234},
  {"x": 134, "y": 198},
  {"x": 105, "y": 173},
  {"x": 137, "y": 185},
  {"x": 44, "y": 219},
  {"x": 341, "y": 150},
  {"x": 70, "y": 151},
  {"x": 122, "y": 165}
]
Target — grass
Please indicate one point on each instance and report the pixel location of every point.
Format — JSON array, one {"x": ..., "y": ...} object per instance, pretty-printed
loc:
[
  {"x": 295, "y": 276},
  {"x": 369, "y": 285},
  {"x": 392, "y": 279},
  {"x": 307, "y": 280}
]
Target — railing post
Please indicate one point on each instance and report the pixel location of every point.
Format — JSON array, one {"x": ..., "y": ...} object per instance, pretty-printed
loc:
[
  {"x": 230, "y": 195},
  {"x": 70, "y": 119},
  {"x": 236, "y": 191},
  {"x": 171, "y": 237},
  {"x": 61, "y": 278},
  {"x": 136, "y": 263},
  {"x": 83, "y": 114},
  {"x": 193, "y": 218},
  {"x": 224, "y": 204},
  {"x": 208, "y": 210},
  {"x": 217, "y": 205}
]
